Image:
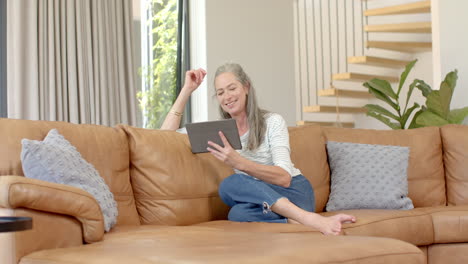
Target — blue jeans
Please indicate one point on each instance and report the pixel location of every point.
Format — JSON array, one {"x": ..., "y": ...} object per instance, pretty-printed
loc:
[{"x": 251, "y": 199}]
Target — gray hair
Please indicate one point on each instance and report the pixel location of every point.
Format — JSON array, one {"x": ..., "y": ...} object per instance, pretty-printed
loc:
[{"x": 255, "y": 115}]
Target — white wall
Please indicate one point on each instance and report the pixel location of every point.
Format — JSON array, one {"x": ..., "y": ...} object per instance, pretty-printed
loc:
[
  {"x": 450, "y": 42},
  {"x": 259, "y": 36},
  {"x": 328, "y": 33},
  {"x": 422, "y": 70}
]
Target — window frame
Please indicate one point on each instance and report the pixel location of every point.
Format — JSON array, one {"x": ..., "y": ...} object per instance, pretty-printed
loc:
[
  {"x": 183, "y": 54},
  {"x": 3, "y": 59}
]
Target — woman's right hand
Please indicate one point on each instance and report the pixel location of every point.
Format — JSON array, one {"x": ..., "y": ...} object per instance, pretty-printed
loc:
[{"x": 193, "y": 79}]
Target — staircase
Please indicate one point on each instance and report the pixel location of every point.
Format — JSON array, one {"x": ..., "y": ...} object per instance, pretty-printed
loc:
[{"x": 380, "y": 58}]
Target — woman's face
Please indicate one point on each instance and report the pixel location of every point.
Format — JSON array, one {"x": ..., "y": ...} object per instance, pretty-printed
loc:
[{"x": 231, "y": 94}]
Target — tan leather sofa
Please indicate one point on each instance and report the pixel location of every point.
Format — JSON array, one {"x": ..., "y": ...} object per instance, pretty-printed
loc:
[{"x": 170, "y": 212}]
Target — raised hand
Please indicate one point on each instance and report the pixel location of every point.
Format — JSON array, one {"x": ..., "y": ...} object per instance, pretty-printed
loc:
[{"x": 193, "y": 79}]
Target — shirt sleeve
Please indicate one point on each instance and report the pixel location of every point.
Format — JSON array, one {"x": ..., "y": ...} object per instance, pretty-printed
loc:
[
  {"x": 182, "y": 130},
  {"x": 279, "y": 143}
]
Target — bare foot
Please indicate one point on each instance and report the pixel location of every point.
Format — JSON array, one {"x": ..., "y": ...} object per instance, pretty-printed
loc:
[{"x": 327, "y": 225}]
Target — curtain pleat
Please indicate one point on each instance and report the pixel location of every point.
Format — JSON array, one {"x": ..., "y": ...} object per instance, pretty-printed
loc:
[
  {"x": 129, "y": 89},
  {"x": 71, "y": 60},
  {"x": 19, "y": 63}
]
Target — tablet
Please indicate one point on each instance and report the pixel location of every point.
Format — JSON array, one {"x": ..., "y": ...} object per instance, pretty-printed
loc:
[{"x": 200, "y": 133}]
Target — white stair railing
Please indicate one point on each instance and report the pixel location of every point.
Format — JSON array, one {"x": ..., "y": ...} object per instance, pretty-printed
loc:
[{"x": 327, "y": 32}]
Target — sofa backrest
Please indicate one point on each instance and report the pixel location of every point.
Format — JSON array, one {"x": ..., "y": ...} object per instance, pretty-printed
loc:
[
  {"x": 171, "y": 185},
  {"x": 426, "y": 179},
  {"x": 104, "y": 147},
  {"x": 455, "y": 145},
  {"x": 308, "y": 153}
]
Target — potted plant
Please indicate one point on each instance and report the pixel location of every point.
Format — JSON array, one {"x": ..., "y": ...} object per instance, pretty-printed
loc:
[{"x": 435, "y": 112}]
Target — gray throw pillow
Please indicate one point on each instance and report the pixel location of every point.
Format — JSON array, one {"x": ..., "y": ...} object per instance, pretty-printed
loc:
[
  {"x": 367, "y": 176},
  {"x": 56, "y": 160}
]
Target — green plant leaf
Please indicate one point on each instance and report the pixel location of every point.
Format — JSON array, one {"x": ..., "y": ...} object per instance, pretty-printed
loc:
[
  {"x": 384, "y": 120},
  {"x": 433, "y": 103},
  {"x": 447, "y": 87},
  {"x": 413, "y": 123},
  {"x": 410, "y": 92},
  {"x": 383, "y": 86},
  {"x": 404, "y": 74},
  {"x": 407, "y": 114},
  {"x": 457, "y": 116},
  {"x": 380, "y": 110},
  {"x": 424, "y": 87},
  {"x": 382, "y": 97},
  {"x": 428, "y": 118}
]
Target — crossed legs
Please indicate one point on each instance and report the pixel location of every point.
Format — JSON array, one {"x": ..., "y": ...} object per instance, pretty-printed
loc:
[{"x": 252, "y": 200}]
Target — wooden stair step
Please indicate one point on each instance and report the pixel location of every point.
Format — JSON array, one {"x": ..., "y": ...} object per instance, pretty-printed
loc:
[
  {"x": 415, "y": 27},
  {"x": 320, "y": 123},
  {"x": 411, "y": 8},
  {"x": 332, "y": 109},
  {"x": 377, "y": 61},
  {"x": 400, "y": 46},
  {"x": 358, "y": 77},
  {"x": 345, "y": 93}
]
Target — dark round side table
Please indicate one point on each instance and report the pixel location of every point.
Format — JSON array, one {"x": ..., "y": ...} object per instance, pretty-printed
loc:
[{"x": 11, "y": 224}]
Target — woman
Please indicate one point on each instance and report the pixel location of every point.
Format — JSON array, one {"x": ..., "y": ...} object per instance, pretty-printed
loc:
[{"x": 266, "y": 187}]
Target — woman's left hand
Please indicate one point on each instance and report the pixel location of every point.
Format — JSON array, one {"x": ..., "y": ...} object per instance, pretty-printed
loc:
[{"x": 226, "y": 154}]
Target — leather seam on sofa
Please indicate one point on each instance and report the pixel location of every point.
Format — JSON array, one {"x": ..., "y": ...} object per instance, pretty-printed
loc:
[
  {"x": 12, "y": 185},
  {"x": 375, "y": 256},
  {"x": 357, "y": 224},
  {"x": 140, "y": 197}
]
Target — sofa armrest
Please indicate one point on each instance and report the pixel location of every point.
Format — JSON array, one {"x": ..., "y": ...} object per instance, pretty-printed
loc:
[
  {"x": 49, "y": 231},
  {"x": 22, "y": 192}
]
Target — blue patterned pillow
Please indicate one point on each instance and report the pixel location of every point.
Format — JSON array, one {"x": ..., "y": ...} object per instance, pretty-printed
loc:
[
  {"x": 367, "y": 176},
  {"x": 56, "y": 160}
]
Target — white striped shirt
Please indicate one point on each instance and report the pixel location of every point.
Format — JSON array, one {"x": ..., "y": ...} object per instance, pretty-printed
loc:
[{"x": 274, "y": 150}]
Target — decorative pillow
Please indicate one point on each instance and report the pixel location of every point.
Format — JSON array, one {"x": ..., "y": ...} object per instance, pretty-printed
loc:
[
  {"x": 56, "y": 160},
  {"x": 367, "y": 176}
]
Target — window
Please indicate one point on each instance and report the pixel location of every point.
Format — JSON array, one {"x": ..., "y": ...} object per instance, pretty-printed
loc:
[{"x": 163, "y": 53}]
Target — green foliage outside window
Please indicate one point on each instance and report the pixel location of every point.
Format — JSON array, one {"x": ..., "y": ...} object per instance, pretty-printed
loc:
[{"x": 160, "y": 76}]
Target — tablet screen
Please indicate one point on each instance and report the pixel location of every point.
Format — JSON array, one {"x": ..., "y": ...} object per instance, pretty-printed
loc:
[{"x": 200, "y": 133}]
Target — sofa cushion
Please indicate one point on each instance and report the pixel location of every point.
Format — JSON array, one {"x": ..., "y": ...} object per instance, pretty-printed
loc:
[
  {"x": 365, "y": 176},
  {"x": 262, "y": 227},
  {"x": 455, "y": 142},
  {"x": 413, "y": 226},
  {"x": 172, "y": 185},
  {"x": 55, "y": 160},
  {"x": 426, "y": 180},
  {"x": 420, "y": 226},
  {"x": 309, "y": 155},
  {"x": 163, "y": 244},
  {"x": 448, "y": 253},
  {"x": 450, "y": 224},
  {"x": 104, "y": 147}
]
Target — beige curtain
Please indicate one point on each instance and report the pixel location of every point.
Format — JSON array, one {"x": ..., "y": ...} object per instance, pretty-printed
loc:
[{"x": 71, "y": 60}]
